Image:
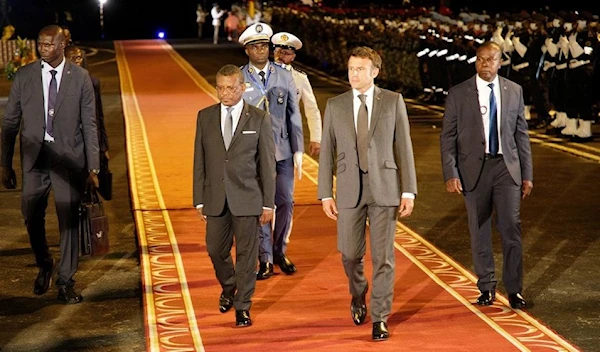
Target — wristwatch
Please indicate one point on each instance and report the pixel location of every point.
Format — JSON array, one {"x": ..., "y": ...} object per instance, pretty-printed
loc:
[{"x": 96, "y": 171}]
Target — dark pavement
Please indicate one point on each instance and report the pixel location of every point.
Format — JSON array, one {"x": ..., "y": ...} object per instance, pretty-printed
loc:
[{"x": 560, "y": 226}]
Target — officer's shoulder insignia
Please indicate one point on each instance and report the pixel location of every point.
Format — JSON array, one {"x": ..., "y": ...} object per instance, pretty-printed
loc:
[
  {"x": 283, "y": 66},
  {"x": 300, "y": 71}
]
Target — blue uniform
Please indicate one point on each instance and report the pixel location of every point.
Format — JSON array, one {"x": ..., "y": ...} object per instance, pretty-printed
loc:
[{"x": 278, "y": 97}]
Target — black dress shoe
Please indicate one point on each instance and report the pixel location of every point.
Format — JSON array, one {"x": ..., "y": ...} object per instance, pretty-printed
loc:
[
  {"x": 358, "y": 308},
  {"x": 285, "y": 264},
  {"x": 67, "y": 294},
  {"x": 486, "y": 298},
  {"x": 43, "y": 279},
  {"x": 225, "y": 303},
  {"x": 265, "y": 271},
  {"x": 380, "y": 331},
  {"x": 516, "y": 301},
  {"x": 242, "y": 318}
]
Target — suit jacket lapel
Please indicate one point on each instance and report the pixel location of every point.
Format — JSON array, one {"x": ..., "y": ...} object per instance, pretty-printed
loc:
[
  {"x": 376, "y": 110},
  {"x": 347, "y": 113},
  {"x": 504, "y": 103},
  {"x": 473, "y": 101},
  {"x": 64, "y": 85}
]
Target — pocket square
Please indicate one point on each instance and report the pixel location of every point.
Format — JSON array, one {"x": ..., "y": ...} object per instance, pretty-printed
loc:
[{"x": 248, "y": 132}]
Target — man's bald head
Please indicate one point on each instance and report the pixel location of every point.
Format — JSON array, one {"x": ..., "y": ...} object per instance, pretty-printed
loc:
[{"x": 51, "y": 44}]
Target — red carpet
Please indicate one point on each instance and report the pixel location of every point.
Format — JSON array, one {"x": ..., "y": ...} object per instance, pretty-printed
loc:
[{"x": 308, "y": 311}]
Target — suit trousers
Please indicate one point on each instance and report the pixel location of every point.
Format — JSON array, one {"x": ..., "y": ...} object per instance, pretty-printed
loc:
[
  {"x": 220, "y": 232},
  {"x": 284, "y": 203},
  {"x": 352, "y": 245},
  {"x": 67, "y": 185},
  {"x": 496, "y": 190}
]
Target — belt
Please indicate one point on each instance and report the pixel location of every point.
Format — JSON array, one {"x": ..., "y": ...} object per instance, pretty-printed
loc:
[{"x": 490, "y": 156}]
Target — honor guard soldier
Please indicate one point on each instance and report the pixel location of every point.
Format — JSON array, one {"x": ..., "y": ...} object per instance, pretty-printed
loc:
[
  {"x": 582, "y": 42},
  {"x": 271, "y": 87}
]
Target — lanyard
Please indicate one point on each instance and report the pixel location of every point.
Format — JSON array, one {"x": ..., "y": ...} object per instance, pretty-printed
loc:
[
  {"x": 260, "y": 86},
  {"x": 262, "y": 89}
]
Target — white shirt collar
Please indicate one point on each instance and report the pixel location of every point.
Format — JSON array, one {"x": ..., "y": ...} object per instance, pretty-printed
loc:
[
  {"x": 237, "y": 107},
  {"x": 265, "y": 69},
  {"x": 46, "y": 68},
  {"x": 481, "y": 83},
  {"x": 368, "y": 93}
]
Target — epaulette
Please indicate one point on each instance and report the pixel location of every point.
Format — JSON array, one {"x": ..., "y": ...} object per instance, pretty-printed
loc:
[
  {"x": 300, "y": 71},
  {"x": 283, "y": 66}
]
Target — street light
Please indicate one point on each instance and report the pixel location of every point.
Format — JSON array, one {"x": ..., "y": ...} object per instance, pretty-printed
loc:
[{"x": 102, "y": 2}]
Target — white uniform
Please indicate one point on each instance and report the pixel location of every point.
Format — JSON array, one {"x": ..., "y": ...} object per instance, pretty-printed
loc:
[
  {"x": 311, "y": 109},
  {"x": 305, "y": 91}
]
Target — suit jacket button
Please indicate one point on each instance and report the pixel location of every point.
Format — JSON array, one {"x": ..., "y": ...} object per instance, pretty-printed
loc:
[{"x": 226, "y": 160}]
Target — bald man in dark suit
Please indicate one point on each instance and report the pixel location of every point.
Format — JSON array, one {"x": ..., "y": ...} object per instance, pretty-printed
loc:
[
  {"x": 51, "y": 104},
  {"x": 486, "y": 156}
]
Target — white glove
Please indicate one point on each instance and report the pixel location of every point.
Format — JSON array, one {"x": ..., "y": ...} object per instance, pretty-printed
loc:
[{"x": 298, "y": 163}]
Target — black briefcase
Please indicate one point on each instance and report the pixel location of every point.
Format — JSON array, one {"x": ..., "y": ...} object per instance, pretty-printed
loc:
[
  {"x": 93, "y": 225},
  {"x": 105, "y": 179}
]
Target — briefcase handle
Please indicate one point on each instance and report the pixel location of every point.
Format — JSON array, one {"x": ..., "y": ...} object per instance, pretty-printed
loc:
[{"x": 90, "y": 196}]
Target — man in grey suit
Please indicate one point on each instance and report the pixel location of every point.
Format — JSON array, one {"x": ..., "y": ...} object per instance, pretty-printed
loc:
[
  {"x": 51, "y": 103},
  {"x": 366, "y": 138},
  {"x": 234, "y": 187},
  {"x": 486, "y": 156},
  {"x": 271, "y": 88}
]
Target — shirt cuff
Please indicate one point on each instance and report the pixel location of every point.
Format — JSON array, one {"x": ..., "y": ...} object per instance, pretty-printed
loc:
[
  {"x": 408, "y": 195},
  {"x": 199, "y": 206}
]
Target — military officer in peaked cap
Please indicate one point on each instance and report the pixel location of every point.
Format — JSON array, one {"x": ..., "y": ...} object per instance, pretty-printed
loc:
[{"x": 272, "y": 88}]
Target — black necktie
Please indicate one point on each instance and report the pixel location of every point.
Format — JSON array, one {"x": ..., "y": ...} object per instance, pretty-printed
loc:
[
  {"x": 228, "y": 130},
  {"x": 52, "y": 92},
  {"x": 362, "y": 134},
  {"x": 493, "y": 122},
  {"x": 262, "y": 77}
]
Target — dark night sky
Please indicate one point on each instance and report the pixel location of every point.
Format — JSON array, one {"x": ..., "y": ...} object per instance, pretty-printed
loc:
[{"x": 131, "y": 19}]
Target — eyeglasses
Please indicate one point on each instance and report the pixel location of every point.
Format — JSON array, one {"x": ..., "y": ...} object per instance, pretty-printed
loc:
[
  {"x": 228, "y": 89},
  {"x": 286, "y": 53}
]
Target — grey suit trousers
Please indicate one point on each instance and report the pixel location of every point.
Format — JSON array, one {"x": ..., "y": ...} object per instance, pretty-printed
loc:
[
  {"x": 496, "y": 190},
  {"x": 67, "y": 185},
  {"x": 352, "y": 244}
]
